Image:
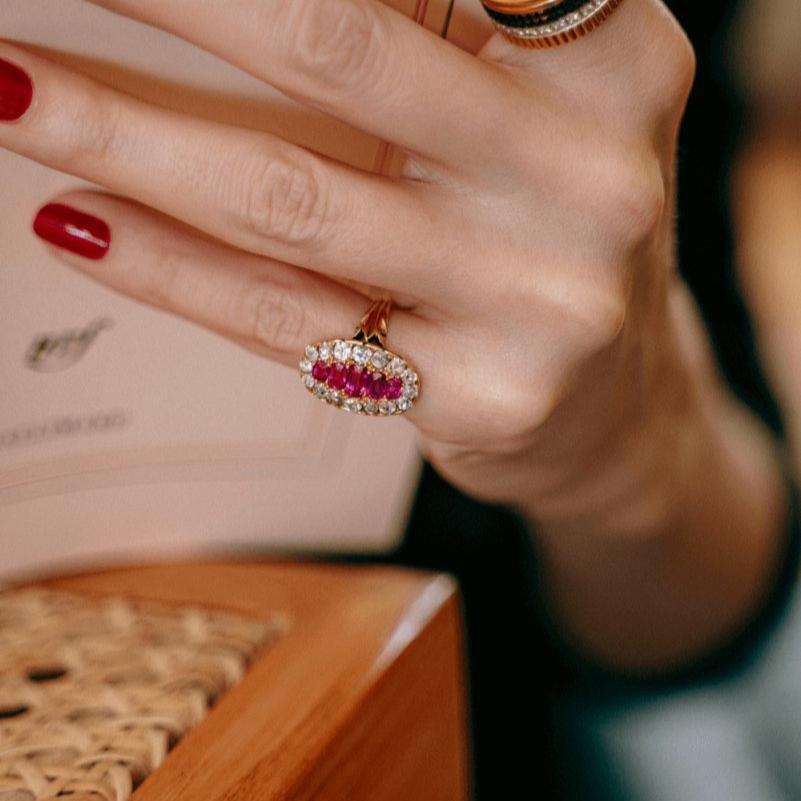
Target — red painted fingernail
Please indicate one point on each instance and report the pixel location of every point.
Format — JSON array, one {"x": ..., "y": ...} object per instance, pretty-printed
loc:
[
  {"x": 16, "y": 91},
  {"x": 73, "y": 230}
]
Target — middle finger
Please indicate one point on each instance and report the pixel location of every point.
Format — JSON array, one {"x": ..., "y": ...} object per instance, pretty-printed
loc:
[
  {"x": 359, "y": 60},
  {"x": 250, "y": 189}
]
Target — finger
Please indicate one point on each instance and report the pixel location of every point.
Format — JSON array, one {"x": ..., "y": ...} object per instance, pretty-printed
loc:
[
  {"x": 252, "y": 190},
  {"x": 356, "y": 59},
  {"x": 269, "y": 307}
]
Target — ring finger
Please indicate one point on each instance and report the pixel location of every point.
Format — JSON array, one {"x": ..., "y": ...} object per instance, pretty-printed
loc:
[{"x": 271, "y": 308}]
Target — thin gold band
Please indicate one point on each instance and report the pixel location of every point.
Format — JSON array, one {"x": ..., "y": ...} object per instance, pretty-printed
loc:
[{"x": 372, "y": 328}]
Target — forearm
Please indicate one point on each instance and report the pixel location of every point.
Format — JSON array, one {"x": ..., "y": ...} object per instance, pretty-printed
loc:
[{"x": 673, "y": 537}]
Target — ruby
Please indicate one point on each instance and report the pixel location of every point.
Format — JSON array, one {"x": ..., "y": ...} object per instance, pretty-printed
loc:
[
  {"x": 320, "y": 371},
  {"x": 353, "y": 381},
  {"x": 337, "y": 376},
  {"x": 394, "y": 388},
  {"x": 376, "y": 386}
]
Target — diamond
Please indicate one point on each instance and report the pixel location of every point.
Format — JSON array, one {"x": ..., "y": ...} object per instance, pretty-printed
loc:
[
  {"x": 306, "y": 366},
  {"x": 325, "y": 351},
  {"x": 341, "y": 350},
  {"x": 352, "y": 404},
  {"x": 397, "y": 366},
  {"x": 409, "y": 376},
  {"x": 370, "y": 407},
  {"x": 360, "y": 354},
  {"x": 404, "y": 404},
  {"x": 320, "y": 390},
  {"x": 391, "y": 407},
  {"x": 311, "y": 353},
  {"x": 308, "y": 381},
  {"x": 379, "y": 359}
]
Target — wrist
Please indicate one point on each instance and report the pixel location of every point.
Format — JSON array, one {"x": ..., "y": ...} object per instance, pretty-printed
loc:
[{"x": 676, "y": 538}]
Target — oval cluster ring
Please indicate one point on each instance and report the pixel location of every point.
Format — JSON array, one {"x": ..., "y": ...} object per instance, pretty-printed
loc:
[{"x": 359, "y": 374}]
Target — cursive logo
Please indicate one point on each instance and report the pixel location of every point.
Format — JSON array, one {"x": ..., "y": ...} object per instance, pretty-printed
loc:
[{"x": 49, "y": 353}]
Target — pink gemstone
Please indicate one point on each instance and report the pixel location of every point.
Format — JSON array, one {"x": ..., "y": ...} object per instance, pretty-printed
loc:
[
  {"x": 320, "y": 371},
  {"x": 376, "y": 386},
  {"x": 394, "y": 388},
  {"x": 337, "y": 376},
  {"x": 353, "y": 381}
]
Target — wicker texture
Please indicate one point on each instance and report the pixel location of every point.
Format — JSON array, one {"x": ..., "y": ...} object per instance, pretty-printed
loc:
[{"x": 94, "y": 693}]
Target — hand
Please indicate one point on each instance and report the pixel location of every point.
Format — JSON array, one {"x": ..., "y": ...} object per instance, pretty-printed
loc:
[{"x": 527, "y": 243}]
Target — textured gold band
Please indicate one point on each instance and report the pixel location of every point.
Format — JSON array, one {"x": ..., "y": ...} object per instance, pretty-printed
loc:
[{"x": 567, "y": 29}]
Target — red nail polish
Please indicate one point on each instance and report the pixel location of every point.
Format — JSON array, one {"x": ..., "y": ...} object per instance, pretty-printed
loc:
[
  {"x": 16, "y": 92},
  {"x": 73, "y": 230}
]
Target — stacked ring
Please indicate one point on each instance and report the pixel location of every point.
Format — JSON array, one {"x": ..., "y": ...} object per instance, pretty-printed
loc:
[
  {"x": 547, "y": 23},
  {"x": 359, "y": 374}
]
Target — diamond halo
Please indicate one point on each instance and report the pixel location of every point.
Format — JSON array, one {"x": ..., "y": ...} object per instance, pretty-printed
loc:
[{"x": 359, "y": 377}]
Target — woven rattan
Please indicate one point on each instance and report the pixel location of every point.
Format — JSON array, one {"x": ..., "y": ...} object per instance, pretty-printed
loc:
[{"x": 94, "y": 693}]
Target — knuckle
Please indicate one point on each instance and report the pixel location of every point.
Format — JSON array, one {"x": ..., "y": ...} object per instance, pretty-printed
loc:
[
  {"x": 674, "y": 80},
  {"x": 286, "y": 202},
  {"x": 515, "y": 411},
  {"x": 602, "y": 322},
  {"x": 644, "y": 207},
  {"x": 685, "y": 67},
  {"x": 635, "y": 201},
  {"x": 524, "y": 413},
  {"x": 340, "y": 42},
  {"x": 94, "y": 134},
  {"x": 279, "y": 318},
  {"x": 167, "y": 277}
]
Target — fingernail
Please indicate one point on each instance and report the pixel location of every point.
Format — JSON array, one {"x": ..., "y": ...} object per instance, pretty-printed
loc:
[
  {"x": 73, "y": 230},
  {"x": 16, "y": 91}
]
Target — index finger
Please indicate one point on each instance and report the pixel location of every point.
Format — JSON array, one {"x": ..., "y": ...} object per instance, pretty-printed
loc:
[{"x": 358, "y": 60}]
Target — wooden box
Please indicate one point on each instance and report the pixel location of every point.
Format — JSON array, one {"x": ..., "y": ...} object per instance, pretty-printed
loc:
[{"x": 360, "y": 697}]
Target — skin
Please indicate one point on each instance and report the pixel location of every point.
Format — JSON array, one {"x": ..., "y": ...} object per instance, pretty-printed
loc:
[{"x": 538, "y": 259}]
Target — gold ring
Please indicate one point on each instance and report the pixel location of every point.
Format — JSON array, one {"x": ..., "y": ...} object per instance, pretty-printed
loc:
[
  {"x": 547, "y": 23},
  {"x": 359, "y": 374}
]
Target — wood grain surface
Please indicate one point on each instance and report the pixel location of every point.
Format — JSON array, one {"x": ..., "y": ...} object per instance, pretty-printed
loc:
[{"x": 363, "y": 698}]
